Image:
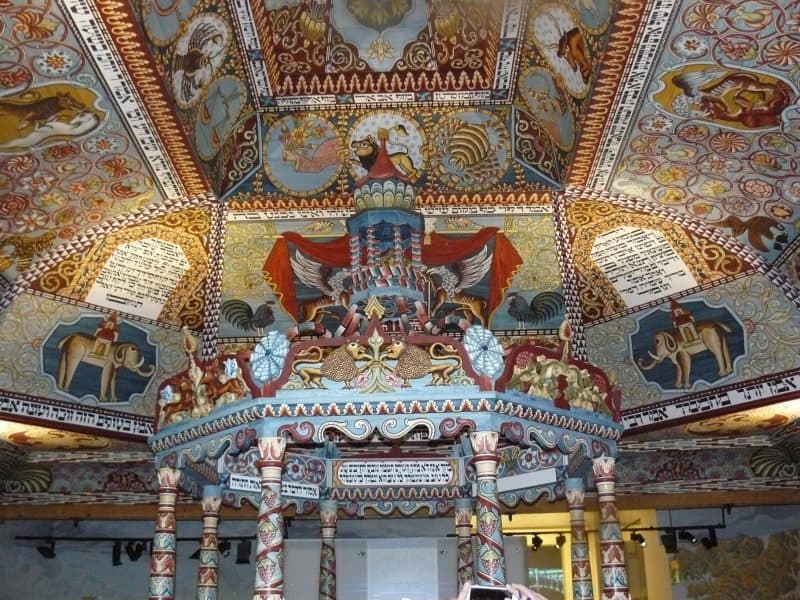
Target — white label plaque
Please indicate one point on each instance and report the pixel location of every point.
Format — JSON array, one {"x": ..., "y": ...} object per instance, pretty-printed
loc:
[
  {"x": 641, "y": 264},
  {"x": 395, "y": 472}
]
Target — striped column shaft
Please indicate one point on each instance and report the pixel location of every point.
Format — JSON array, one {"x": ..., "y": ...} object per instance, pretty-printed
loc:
[
  {"x": 269, "y": 545},
  {"x": 208, "y": 571},
  {"x": 579, "y": 553},
  {"x": 162, "y": 559},
  {"x": 491, "y": 568},
  {"x": 612, "y": 551},
  {"x": 327, "y": 557},
  {"x": 465, "y": 508}
]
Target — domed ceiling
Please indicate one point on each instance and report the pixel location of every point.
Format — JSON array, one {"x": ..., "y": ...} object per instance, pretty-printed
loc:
[{"x": 632, "y": 166}]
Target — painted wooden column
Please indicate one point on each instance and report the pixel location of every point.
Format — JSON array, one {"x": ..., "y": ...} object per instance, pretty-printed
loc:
[
  {"x": 269, "y": 543},
  {"x": 162, "y": 559},
  {"x": 465, "y": 508},
  {"x": 208, "y": 571},
  {"x": 491, "y": 568},
  {"x": 579, "y": 553},
  {"x": 327, "y": 556},
  {"x": 612, "y": 551}
]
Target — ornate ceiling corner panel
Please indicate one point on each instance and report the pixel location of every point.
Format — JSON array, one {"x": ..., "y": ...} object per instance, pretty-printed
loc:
[
  {"x": 154, "y": 270},
  {"x": 714, "y": 134},
  {"x": 194, "y": 48},
  {"x": 633, "y": 46},
  {"x": 305, "y": 55},
  {"x": 615, "y": 276},
  {"x": 108, "y": 29},
  {"x": 480, "y": 156}
]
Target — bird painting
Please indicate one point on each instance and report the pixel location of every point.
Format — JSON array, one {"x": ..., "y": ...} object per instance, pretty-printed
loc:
[
  {"x": 195, "y": 60},
  {"x": 542, "y": 307},
  {"x": 239, "y": 314}
]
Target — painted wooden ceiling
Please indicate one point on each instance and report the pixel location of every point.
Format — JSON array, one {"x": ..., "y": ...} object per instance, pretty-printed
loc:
[{"x": 640, "y": 157}]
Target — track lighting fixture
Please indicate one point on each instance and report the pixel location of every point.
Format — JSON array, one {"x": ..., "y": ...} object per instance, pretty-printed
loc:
[
  {"x": 225, "y": 547},
  {"x": 243, "y": 552},
  {"x": 536, "y": 542},
  {"x": 670, "y": 542},
  {"x": 134, "y": 550},
  {"x": 560, "y": 540},
  {"x": 116, "y": 553},
  {"x": 639, "y": 539},
  {"x": 48, "y": 549},
  {"x": 710, "y": 541},
  {"x": 687, "y": 536}
]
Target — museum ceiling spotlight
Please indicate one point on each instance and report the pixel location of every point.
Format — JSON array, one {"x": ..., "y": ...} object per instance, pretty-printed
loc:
[
  {"x": 134, "y": 550},
  {"x": 536, "y": 542},
  {"x": 48, "y": 549},
  {"x": 560, "y": 540},
  {"x": 639, "y": 539},
  {"x": 710, "y": 541},
  {"x": 116, "y": 553},
  {"x": 243, "y": 552},
  {"x": 687, "y": 536},
  {"x": 225, "y": 547},
  {"x": 670, "y": 542}
]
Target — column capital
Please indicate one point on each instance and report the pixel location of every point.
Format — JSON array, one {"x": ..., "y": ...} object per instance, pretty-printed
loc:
[
  {"x": 574, "y": 491},
  {"x": 272, "y": 448},
  {"x": 212, "y": 498},
  {"x": 484, "y": 442},
  {"x": 328, "y": 511},
  {"x": 603, "y": 467},
  {"x": 168, "y": 477}
]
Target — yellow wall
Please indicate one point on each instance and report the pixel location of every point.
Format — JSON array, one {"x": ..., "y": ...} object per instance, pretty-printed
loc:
[{"x": 653, "y": 584}]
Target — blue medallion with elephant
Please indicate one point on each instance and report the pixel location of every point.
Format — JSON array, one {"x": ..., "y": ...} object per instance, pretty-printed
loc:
[
  {"x": 687, "y": 342},
  {"x": 90, "y": 360}
]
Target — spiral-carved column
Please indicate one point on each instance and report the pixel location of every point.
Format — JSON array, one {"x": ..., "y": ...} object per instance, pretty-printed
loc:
[
  {"x": 327, "y": 556},
  {"x": 612, "y": 560},
  {"x": 162, "y": 559},
  {"x": 465, "y": 508},
  {"x": 581, "y": 567},
  {"x": 491, "y": 568},
  {"x": 269, "y": 546},
  {"x": 208, "y": 571}
]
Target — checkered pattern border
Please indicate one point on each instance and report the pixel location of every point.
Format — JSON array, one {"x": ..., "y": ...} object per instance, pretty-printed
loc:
[
  {"x": 569, "y": 279},
  {"x": 213, "y": 291}
]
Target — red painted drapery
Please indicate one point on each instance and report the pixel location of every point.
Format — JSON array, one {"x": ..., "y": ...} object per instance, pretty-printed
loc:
[{"x": 442, "y": 250}]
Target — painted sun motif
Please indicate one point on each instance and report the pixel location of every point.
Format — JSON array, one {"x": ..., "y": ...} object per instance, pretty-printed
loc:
[
  {"x": 43, "y": 438},
  {"x": 753, "y": 421}
]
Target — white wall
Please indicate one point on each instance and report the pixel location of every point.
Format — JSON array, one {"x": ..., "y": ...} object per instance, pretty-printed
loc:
[{"x": 421, "y": 567}]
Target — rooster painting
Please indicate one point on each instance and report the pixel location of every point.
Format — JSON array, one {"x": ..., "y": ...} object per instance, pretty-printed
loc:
[
  {"x": 239, "y": 314},
  {"x": 543, "y": 307}
]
